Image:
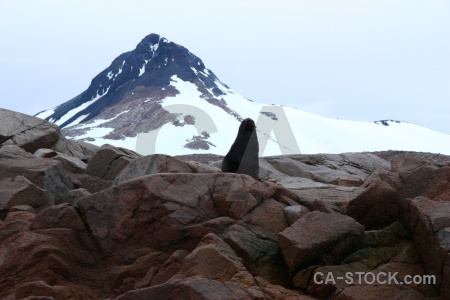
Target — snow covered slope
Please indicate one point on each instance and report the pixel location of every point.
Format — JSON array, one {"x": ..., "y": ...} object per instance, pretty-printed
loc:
[{"x": 160, "y": 98}]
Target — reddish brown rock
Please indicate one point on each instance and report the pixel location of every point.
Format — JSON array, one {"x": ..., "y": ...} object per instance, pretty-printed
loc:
[
  {"x": 76, "y": 194},
  {"x": 193, "y": 235},
  {"x": 213, "y": 259},
  {"x": 277, "y": 292},
  {"x": 331, "y": 198},
  {"x": 235, "y": 195},
  {"x": 210, "y": 261},
  {"x": 165, "y": 204},
  {"x": 235, "y": 200},
  {"x": 45, "y": 173},
  {"x": 319, "y": 237},
  {"x": 378, "y": 292},
  {"x": 52, "y": 255},
  {"x": 323, "y": 285},
  {"x": 171, "y": 267},
  {"x": 417, "y": 176},
  {"x": 303, "y": 277},
  {"x": 428, "y": 220},
  {"x": 388, "y": 236},
  {"x": 30, "y": 133},
  {"x": 92, "y": 184},
  {"x": 191, "y": 288},
  {"x": 383, "y": 175},
  {"x": 261, "y": 256},
  {"x": 123, "y": 278},
  {"x": 20, "y": 215},
  {"x": 444, "y": 292},
  {"x": 77, "y": 149},
  {"x": 422, "y": 188},
  {"x": 197, "y": 231},
  {"x": 407, "y": 163},
  {"x": 59, "y": 216},
  {"x": 109, "y": 161},
  {"x": 20, "y": 191},
  {"x": 349, "y": 181},
  {"x": 71, "y": 164},
  {"x": 407, "y": 272},
  {"x": 324, "y": 168},
  {"x": 371, "y": 257},
  {"x": 157, "y": 163},
  {"x": 270, "y": 216},
  {"x": 12, "y": 227},
  {"x": 13, "y": 152},
  {"x": 35, "y": 288},
  {"x": 376, "y": 207},
  {"x": 408, "y": 253}
]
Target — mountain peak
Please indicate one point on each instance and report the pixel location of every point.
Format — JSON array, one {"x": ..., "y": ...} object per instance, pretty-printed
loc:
[
  {"x": 160, "y": 97},
  {"x": 150, "y": 44},
  {"x": 150, "y": 66}
]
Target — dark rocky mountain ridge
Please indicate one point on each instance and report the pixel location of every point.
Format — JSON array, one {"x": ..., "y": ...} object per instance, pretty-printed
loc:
[
  {"x": 162, "y": 86},
  {"x": 152, "y": 64}
]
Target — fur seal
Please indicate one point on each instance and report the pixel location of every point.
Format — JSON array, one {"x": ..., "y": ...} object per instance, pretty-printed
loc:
[{"x": 243, "y": 155}]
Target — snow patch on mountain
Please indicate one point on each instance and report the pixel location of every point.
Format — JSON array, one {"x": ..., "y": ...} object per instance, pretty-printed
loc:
[
  {"x": 76, "y": 110},
  {"x": 312, "y": 133},
  {"x": 161, "y": 98},
  {"x": 46, "y": 113}
]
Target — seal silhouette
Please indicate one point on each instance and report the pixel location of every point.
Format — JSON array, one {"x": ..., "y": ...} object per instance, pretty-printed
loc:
[{"x": 243, "y": 155}]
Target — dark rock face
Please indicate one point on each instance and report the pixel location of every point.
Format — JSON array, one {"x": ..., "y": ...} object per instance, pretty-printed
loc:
[
  {"x": 20, "y": 191},
  {"x": 309, "y": 241},
  {"x": 46, "y": 173},
  {"x": 376, "y": 207},
  {"x": 115, "y": 225},
  {"x": 151, "y": 65},
  {"x": 108, "y": 161}
]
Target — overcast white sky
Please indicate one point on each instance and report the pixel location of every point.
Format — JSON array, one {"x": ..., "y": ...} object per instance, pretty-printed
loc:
[{"x": 349, "y": 59}]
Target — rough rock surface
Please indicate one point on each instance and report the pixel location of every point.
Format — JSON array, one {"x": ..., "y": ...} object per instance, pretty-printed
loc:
[
  {"x": 82, "y": 222},
  {"x": 31, "y": 133},
  {"x": 157, "y": 163},
  {"x": 375, "y": 207},
  {"x": 309, "y": 241},
  {"x": 108, "y": 161},
  {"x": 45, "y": 173},
  {"x": 71, "y": 164},
  {"x": 20, "y": 191}
]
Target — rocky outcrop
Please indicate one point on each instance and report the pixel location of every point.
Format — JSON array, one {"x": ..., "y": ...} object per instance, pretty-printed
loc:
[
  {"x": 158, "y": 163},
  {"x": 376, "y": 207},
  {"x": 20, "y": 191},
  {"x": 323, "y": 168},
  {"x": 32, "y": 133},
  {"x": 115, "y": 225},
  {"x": 27, "y": 132},
  {"x": 309, "y": 241},
  {"x": 45, "y": 173},
  {"x": 334, "y": 177},
  {"x": 71, "y": 164},
  {"x": 108, "y": 161}
]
